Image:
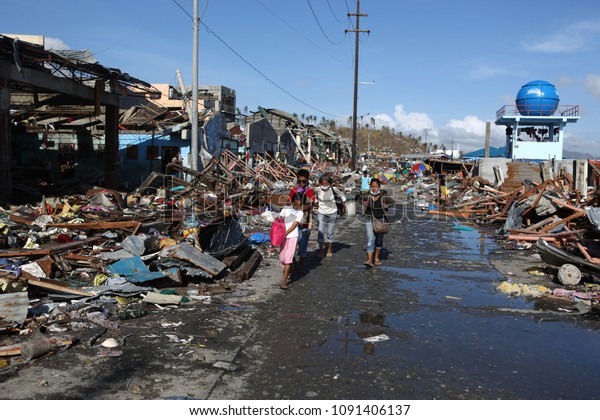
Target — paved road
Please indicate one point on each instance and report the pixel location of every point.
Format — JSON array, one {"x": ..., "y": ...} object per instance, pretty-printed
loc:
[{"x": 451, "y": 335}]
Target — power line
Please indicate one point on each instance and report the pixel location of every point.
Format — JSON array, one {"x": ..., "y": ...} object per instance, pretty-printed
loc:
[
  {"x": 319, "y": 24},
  {"x": 95, "y": 53},
  {"x": 268, "y": 79},
  {"x": 184, "y": 11},
  {"x": 304, "y": 36},
  {"x": 333, "y": 13},
  {"x": 349, "y": 19}
]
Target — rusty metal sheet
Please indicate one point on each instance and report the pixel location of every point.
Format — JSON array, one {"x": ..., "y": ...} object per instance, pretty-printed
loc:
[
  {"x": 13, "y": 308},
  {"x": 517, "y": 172}
]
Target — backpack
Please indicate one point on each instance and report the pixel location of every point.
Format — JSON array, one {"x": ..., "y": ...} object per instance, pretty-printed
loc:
[{"x": 277, "y": 233}]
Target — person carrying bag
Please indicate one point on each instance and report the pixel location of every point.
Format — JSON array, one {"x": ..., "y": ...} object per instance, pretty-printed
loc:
[{"x": 376, "y": 224}]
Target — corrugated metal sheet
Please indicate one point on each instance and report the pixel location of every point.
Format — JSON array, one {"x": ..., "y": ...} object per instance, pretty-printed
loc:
[
  {"x": 517, "y": 172},
  {"x": 13, "y": 308}
]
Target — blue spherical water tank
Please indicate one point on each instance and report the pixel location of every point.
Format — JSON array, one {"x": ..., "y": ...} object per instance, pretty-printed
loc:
[{"x": 537, "y": 99}]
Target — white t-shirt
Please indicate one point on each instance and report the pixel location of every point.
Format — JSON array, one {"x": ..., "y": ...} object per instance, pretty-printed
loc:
[
  {"x": 290, "y": 216},
  {"x": 326, "y": 199}
]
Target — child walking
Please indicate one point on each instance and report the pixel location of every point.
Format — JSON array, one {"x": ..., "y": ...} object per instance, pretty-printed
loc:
[{"x": 293, "y": 217}]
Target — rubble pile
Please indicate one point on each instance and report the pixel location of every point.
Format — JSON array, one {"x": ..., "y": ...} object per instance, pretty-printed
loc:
[
  {"x": 90, "y": 261},
  {"x": 552, "y": 217}
]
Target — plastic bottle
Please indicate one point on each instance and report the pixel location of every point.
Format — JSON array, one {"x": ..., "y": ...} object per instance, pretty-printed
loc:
[{"x": 131, "y": 313}]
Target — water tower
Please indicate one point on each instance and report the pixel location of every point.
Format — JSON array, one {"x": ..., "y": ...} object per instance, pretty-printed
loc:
[{"x": 535, "y": 124}]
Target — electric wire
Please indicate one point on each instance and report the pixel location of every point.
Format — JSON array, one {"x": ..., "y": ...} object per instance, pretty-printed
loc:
[
  {"x": 135, "y": 34},
  {"x": 349, "y": 18},
  {"x": 267, "y": 78},
  {"x": 304, "y": 36},
  {"x": 184, "y": 11},
  {"x": 319, "y": 24},
  {"x": 333, "y": 13}
]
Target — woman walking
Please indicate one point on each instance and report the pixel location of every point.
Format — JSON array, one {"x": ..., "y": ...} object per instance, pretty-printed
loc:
[
  {"x": 374, "y": 209},
  {"x": 327, "y": 213}
]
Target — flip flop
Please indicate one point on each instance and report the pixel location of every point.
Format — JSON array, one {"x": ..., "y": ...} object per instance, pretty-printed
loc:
[
  {"x": 368, "y": 264},
  {"x": 377, "y": 262}
]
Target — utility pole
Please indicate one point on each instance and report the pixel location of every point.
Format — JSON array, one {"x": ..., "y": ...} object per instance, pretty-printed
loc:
[
  {"x": 194, "y": 116},
  {"x": 357, "y": 31}
]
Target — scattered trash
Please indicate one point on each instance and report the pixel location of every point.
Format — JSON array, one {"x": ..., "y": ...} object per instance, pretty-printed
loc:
[
  {"x": 376, "y": 338},
  {"x": 228, "y": 366},
  {"x": 109, "y": 343},
  {"x": 519, "y": 289}
]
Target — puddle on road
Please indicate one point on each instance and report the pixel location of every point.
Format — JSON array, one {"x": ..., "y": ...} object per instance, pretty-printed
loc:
[
  {"x": 452, "y": 340},
  {"x": 455, "y": 352}
]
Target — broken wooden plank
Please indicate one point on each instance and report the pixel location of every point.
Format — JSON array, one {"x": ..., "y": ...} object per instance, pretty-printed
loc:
[
  {"x": 249, "y": 267},
  {"x": 47, "y": 249},
  {"x": 532, "y": 238},
  {"x": 586, "y": 254},
  {"x": 561, "y": 221},
  {"x": 10, "y": 350},
  {"x": 53, "y": 285},
  {"x": 97, "y": 225},
  {"x": 16, "y": 218},
  {"x": 540, "y": 224}
]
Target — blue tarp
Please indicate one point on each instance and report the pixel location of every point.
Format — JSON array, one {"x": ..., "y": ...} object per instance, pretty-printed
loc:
[
  {"x": 259, "y": 238},
  {"x": 134, "y": 270}
]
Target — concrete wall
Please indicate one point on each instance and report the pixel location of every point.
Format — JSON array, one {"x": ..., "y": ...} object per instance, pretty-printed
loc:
[{"x": 486, "y": 167}]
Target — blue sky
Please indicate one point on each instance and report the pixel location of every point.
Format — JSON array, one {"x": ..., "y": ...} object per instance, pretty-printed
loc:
[{"x": 440, "y": 68}]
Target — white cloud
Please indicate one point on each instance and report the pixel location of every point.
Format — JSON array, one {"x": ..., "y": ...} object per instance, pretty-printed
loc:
[
  {"x": 407, "y": 122},
  {"x": 565, "y": 81},
  {"x": 485, "y": 71},
  {"x": 576, "y": 37},
  {"x": 469, "y": 124},
  {"x": 592, "y": 85},
  {"x": 468, "y": 134},
  {"x": 55, "y": 44}
]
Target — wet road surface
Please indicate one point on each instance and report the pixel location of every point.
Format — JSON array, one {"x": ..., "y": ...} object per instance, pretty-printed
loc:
[{"x": 450, "y": 334}]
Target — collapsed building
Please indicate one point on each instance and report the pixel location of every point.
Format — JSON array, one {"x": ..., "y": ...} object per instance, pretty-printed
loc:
[{"x": 67, "y": 123}]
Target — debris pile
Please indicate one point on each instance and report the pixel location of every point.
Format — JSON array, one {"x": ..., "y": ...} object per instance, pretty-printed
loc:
[
  {"x": 88, "y": 262},
  {"x": 552, "y": 217}
]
